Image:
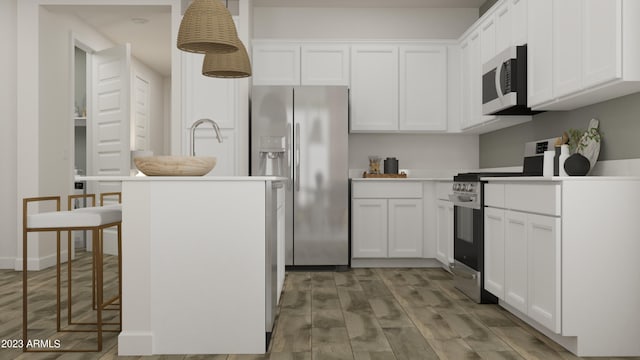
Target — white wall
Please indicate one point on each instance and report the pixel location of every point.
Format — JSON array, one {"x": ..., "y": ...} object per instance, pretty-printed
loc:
[
  {"x": 8, "y": 131},
  {"x": 434, "y": 152},
  {"x": 371, "y": 23}
]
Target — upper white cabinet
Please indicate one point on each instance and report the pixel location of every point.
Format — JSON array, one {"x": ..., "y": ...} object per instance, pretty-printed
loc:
[
  {"x": 578, "y": 54},
  {"x": 374, "y": 88},
  {"x": 502, "y": 26},
  {"x": 291, "y": 63},
  {"x": 324, "y": 64},
  {"x": 276, "y": 64},
  {"x": 423, "y": 88}
]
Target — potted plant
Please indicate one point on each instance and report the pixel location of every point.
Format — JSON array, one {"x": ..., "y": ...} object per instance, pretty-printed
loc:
[{"x": 584, "y": 145}]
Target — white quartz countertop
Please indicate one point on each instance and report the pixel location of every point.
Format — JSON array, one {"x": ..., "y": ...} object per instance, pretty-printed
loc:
[
  {"x": 405, "y": 179},
  {"x": 559, "y": 178},
  {"x": 179, "y": 178}
]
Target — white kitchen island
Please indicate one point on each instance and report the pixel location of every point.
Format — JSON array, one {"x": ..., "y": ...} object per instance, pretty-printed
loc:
[{"x": 196, "y": 270}]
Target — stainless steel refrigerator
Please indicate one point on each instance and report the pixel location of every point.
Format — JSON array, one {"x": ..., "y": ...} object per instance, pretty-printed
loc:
[{"x": 302, "y": 133}]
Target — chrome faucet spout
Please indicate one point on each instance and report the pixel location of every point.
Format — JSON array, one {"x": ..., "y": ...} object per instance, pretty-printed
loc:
[{"x": 197, "y": 123}]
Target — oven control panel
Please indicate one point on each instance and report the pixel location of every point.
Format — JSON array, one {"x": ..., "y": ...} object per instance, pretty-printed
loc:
[{"x": 465, "y": 187}]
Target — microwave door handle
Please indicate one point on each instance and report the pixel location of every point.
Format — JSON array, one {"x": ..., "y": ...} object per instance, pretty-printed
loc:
[{"x": 498, "y": 86}]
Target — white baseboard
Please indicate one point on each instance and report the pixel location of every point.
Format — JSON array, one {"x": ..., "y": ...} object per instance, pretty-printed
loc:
[
  {"x": 7, "y": 263},
  {"x": 37, "y": 264},
  {"x": 385, "y": 263},
  {"x": 135, "y": 343}
]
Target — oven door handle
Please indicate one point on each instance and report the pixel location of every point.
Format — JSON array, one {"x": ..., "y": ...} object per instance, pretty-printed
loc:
[{"x": 465, "y": 201}]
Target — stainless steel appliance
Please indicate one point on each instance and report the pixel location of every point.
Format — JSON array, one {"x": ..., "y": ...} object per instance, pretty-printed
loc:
[
  {"x": 302, "y": 133},
  {"x": 504, "y": 83},
  {"x": 468, "y": 242}
]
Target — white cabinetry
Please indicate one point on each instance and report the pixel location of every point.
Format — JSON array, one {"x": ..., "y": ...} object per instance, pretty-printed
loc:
[
  {"x": 387, "y": 219},
  {"x": 554, "y": 253},
  {"x": 324, "y": 64},
  {"x": 522, "y": 249},
  {"x": 423, "y": 88},
  {"x": 276, "y": 64},
  {"x": 578, "y": 54},
  {"x": 297, "y": 63},
  {"x": 374, "y": 88},
  {"x": 494, "y": 248},
  {"x": 499, "y": 28},
  {"x": 369, "y": 228},
  {"x": 444, "y": 224}
]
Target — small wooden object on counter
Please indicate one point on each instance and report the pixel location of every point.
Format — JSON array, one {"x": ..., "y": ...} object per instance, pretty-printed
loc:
[{"x": 367, "y": 175}]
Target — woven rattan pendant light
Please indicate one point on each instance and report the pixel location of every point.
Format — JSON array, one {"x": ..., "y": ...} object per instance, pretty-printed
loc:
[
  {"x": 207, "y": 27},
  {"x": 233, "y": 65}
]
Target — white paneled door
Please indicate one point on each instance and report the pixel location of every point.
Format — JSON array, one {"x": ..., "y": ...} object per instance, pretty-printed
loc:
[{"x": 109, "y": 123}]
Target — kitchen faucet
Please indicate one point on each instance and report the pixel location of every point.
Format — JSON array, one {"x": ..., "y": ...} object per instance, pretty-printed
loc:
[{"x": 216, "y": 128}]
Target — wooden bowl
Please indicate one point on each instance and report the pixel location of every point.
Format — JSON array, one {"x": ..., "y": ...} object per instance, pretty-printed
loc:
[{"x": 175, "y": 165}]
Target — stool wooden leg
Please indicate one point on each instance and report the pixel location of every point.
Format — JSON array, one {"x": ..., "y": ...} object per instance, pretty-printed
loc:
[
  {"x": 24, "y": 283},
  {"x": 69, "y": 302},
  {"x": 98, "y": 252},
  {"x": 58, "y": 280}
]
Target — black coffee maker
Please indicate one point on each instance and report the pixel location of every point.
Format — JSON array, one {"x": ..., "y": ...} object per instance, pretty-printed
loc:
[{"x": 390, "y": 165}]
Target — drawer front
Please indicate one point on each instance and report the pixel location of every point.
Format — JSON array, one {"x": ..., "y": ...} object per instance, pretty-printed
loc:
[
  {"x": 494, "y": 195},
  {"x": 536, "y": 198},
  {"x": 443, "y": 189},
  {"x": 387, "y": 189}
]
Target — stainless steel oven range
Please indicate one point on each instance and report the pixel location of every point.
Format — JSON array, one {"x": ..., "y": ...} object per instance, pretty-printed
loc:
[{"x": 468, "y": 242}]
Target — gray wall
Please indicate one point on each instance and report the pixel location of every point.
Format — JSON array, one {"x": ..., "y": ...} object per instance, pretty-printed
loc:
[
  {"x": 619, "y": 126},
  {"x": 486, "y": 6}
]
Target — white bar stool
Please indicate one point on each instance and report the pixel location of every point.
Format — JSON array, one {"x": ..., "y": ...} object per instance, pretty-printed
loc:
[
  {"x": 111, "y": 302},
  {"x": 58, "y": 221}
]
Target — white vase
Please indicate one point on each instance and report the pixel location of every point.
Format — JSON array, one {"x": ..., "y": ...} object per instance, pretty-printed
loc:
[{"x": 564, "y": 154}]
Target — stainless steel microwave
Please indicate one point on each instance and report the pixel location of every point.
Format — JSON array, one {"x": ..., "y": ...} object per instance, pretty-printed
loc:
[{"x": 504, "y": 83}]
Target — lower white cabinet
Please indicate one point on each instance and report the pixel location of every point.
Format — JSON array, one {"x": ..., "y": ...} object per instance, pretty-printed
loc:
[
  {"x": 522, "y": 263},
  {"x": 494, "y": 251},
  {"x": 405, "y": 228},
  {"x": 387, "y": 219},
  {"x": 369, "y": 227},
  {"x": 543, "y": 262},
  {"x": 515, "y": 250},
  {"x": 444, "y": 232}
]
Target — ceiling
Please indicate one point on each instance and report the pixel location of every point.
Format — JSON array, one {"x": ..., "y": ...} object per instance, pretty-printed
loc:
[
  {"x": 374, "y": 3},
  {"x": 150, "y": 41}
]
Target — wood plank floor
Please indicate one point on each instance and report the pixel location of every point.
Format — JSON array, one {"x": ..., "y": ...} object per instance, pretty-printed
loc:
[{"x": 361, "y": 314}]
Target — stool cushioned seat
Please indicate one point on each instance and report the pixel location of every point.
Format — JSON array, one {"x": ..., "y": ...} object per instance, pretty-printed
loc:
[
  {"x": 75, "y": 218},
  {"x": 100, "y": 208}
]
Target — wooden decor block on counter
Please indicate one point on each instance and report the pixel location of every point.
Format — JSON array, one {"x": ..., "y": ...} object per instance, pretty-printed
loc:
[{"x": 367, "y": 175}]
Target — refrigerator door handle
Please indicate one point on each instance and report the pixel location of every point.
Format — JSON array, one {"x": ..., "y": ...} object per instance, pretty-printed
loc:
[
  {"x": 296, "y": 174},
  {"x": 288, "y": 147}
]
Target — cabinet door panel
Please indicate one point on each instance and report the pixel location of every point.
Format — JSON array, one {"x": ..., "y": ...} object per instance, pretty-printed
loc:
[
  {"x": 503, "y": 18},
  {"x": 465, "y": 83},
  {"x": 543, "y": 248},
  {"x": 539, "y": 52},
  {"x": 494, "y": 246},
  {"x": 488, "y": 38},
  {"x": 374, "y": 88},
  {"x": 567, "y": 47},
  {"x": 405, "y": 228},
  {"x": 519, "y": 22},
  {"x": 369, "y": 228},
  {"x": 325, "y": 65},
  {"x": 276, "y": 64},
  {"x": 602, "y": 45},
  {"x": 515, "y": 292},
  {"x": 423, "y": 88}
]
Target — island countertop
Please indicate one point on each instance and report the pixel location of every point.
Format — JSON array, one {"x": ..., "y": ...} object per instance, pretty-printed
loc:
[{"x": 179, "y": 178}]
